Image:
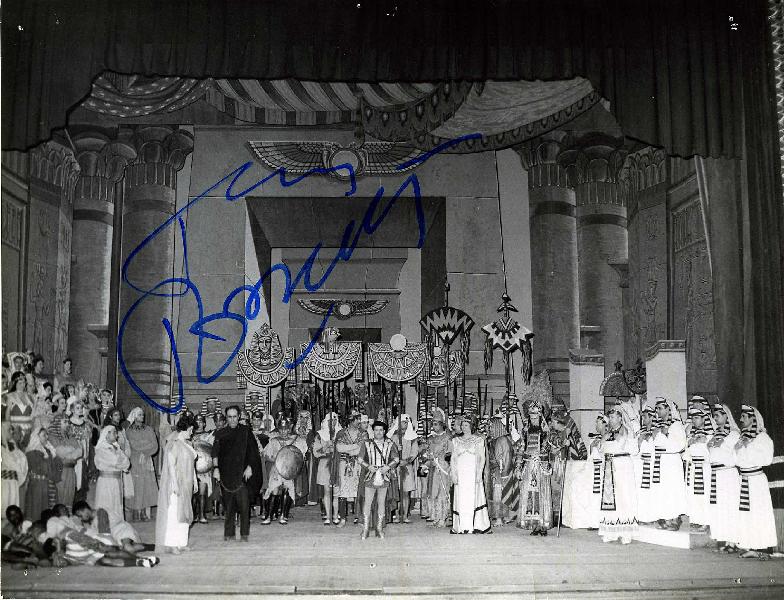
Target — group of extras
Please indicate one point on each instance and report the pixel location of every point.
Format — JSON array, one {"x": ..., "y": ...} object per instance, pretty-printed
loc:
[{"x": 72, "y": 465}]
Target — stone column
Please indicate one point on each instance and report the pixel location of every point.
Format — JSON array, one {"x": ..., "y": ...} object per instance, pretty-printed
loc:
[
  {"x": 102, "y": 157},
  {"x": 149, "y": 200},
  {"x": 553, "y": 260},
  {"x": 593, "y": 164}
]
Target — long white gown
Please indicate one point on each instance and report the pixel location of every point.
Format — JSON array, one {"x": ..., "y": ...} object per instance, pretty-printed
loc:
[
  {"x": 724, "y": 490},
  {"x": 756, "y": 527},
  {"x": 668, "y": 495},
  {"x": 111, "y": 461},
  {"x": 698, "y": 473},
  {"x": 470, "y": 514},
  {"x": 619, "y": 490}
]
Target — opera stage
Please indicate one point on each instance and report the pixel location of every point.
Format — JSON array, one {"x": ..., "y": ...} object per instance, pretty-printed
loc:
[{"x": 307, "y": 559}]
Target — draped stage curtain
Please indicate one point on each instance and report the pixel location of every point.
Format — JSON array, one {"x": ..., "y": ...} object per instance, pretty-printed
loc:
[{"x": 676, "y": 74}]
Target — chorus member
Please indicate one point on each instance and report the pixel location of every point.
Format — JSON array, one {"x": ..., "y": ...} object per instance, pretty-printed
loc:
[
  {"x": 281, "y": 487},
  {"x": 70, "y": 451},
  {"x": 756, "y": 525},
  {"x": 619, "y": 488},
  {"x": 304, "y": 429},
  {"x": 19, "y": 409},
  {"x": 79, "y": 428},
  {"x": 65, "y": 376},
  {"x": 439, "y": 482},
  {"x": 403, "y": 434},
  {"x": 236, "y": 455},
  {"x": 502, "y": 481},
  {"x": 596, "y": 460},
  {"x": 144, "y": 445},
  {"x": 668, "y": 485},
  {"x": 378, "y": 456},
  {"x": 348, "y": 442},
  {"x": 43, "y": 474},
  {"x": 210, "y": 410},
  {"x": 202, "y": 443},
  {"x": 111, "y": 462},
  {"x": 14, "y": 470},
  {"x": 324, "y": 452},
  {"x": 178, "y": 484},
  {"x": 469, "y": 512},
  {"x": 697, "y": 461},
  {"x": 724, "y": 481},
  {"x": 646, "y": 509}
]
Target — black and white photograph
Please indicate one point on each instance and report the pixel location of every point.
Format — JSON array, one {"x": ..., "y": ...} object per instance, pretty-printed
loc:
[{"x": 392, "y": 299}]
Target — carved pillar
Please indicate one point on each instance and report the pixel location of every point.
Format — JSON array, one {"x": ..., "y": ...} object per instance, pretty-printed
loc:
[
  {"x": 593, "y": 164},
  {"x": 149, "y": 200},
  {"x": 53, "y": 175},
  {"x": 644, "y": 177},
  {"x": 553, "y": 260},
  {"x": 102, "y": 158}
]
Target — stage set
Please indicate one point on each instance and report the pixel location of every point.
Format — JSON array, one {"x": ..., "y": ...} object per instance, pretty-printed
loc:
[{"x": 374, "y": 210}]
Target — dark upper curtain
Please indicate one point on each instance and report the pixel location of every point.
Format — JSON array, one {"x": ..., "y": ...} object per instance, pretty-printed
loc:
[{"x": 667, "y": 66}]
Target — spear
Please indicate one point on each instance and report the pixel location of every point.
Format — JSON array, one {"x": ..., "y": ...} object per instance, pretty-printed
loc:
[{"x": 403, "y": 468}]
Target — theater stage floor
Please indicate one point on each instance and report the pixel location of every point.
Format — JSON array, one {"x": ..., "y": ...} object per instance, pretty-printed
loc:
[{"x": 308, "y": 559}]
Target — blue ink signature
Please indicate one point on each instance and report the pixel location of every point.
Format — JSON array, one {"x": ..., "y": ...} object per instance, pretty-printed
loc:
[{"x": 178, "y": 287}]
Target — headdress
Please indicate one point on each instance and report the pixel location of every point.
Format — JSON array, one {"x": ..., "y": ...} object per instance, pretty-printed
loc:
[
  {"x": 675, "y": 414},
  {"x": 756, "y": 426},
  {"x": 214, "y": 399},
  {"x": 135, "y": 414},
  {"x": 411, "y": 430},
  {"x": 324, "y": 432},
  {"x": 439, "y": 415},
  {"x": 730, "y": 424},
  {"x": 102, "y": 441},
  {"x": 36, "y": 444}
]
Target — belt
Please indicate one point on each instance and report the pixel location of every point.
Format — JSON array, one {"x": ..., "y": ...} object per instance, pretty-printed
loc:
[
  {"x": 751, "y": 471},
  {"x": 716, "y": 466},
  {"x": 9, "y": 474},
  {"x": 661, "y": 451},
  {"x": 616, "y": 455},
  {"x": 69, "y": 463},
  {"x": 112, "y": 474},
  {"x": 37, "y": 476}
]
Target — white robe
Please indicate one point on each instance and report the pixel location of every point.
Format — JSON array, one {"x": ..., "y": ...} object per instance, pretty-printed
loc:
[
  {"x": 668, "y": 496},
  {"x": 619, "y": 486},
  {"x": 109, "y": 489},
  {"x": 697, "y": 459},
  {"x": 12, "y": 460},
  {"x": 723, "y": 505},
  {"x": 646, "y": 508},
  {"x": 756, "y": 527}
]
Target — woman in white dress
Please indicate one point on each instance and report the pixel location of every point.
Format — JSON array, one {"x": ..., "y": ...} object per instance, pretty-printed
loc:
[
  {"x": 112, "y": 463},
  {"x": 469, "y": 512},
  {"x": 756, "y": 525},
  {"x": 178, "y": 484},
  {"x": 619, "y": 489},
  {"x": 725, "y": 480}
]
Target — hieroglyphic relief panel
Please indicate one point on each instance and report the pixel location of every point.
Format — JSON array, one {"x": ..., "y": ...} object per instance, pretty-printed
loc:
[
  {"x": 648, "y": 281},
  {"x": 62, "y": 287},
  {"x": 692, "y": 296},
  {"x": 13, "y": 226}
]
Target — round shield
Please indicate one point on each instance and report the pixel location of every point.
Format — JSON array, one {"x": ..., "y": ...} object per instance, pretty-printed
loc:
[
  {"x": 289, "y": 462},
  {"x": 203, "y": 456}
]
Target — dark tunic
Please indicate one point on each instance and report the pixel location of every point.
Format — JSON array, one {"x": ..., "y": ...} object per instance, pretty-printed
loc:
[{"x": 236, "y": 449}]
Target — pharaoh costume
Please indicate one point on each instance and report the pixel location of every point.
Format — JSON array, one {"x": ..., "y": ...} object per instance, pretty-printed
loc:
[
  {"x": 469, "y": 511},
  {"x": 698, "y": 470},
  {"x": 348, "y": 442},
  {"x": 14, "y": 471},
  {"x": 619, "y": 489},
  {"x": 756, "y": 525},
  {"x": 533, "y": 457},
  {"x": 111, "y": 462},
  {"x": 178, "y": 484},
  {"x": 438, "y": 480},
  {"x": 668, "y": 486},
  {"x": 724, "y": 479},
  {"x": 505, "y": 492},
  {"x": 144, "y": 445}
]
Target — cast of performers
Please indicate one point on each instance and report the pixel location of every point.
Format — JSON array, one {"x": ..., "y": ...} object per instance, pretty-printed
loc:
[
  {"x": 619, "y": 489},
  {"x": 533, "y": 471},
  {"x": 377, "y": 458}
]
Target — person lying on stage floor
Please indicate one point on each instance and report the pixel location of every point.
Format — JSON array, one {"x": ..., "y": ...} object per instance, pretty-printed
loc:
[
  {"x": 32, "y": 548},
  {"x": 76, "y": 544},
  {"x": 98, "y": 521}
]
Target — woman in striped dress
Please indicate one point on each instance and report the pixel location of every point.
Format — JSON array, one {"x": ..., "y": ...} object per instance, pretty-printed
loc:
[
  {"x": 756, "y": 525},
  {"x": 724, "y": 481}
]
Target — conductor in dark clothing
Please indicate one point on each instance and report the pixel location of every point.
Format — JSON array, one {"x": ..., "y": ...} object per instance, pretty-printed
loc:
[{"x": 236, "y": 454}]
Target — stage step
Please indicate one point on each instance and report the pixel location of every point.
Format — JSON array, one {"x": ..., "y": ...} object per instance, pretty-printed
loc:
[{"x": 674, "y": 539}]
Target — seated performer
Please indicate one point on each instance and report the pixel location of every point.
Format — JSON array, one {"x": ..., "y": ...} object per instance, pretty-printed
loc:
[
  {"x": 533, "y": 472},
  {"x": 281, "y": 490},
  {"x": 724, "y": 481},
  {"x": 377, "y": 457},
  {"x": 756, "y": 524},
  {"x": 697, "y": 460},
  {"x": 668, "y": 486},
  {"x": 619, "y": 489}
]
